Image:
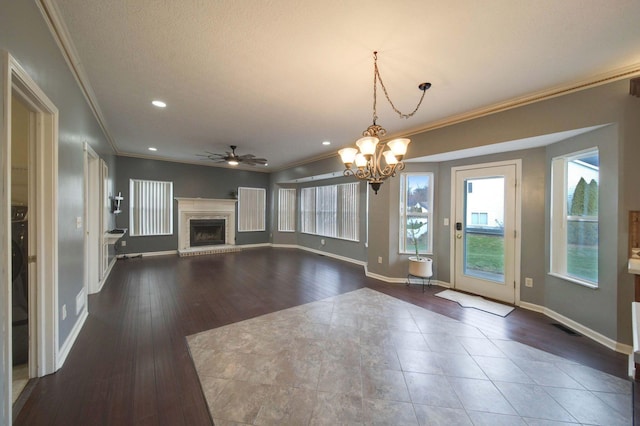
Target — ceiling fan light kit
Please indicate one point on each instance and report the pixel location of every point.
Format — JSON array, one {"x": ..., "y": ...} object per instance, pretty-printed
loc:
[{"x": 370, "y": 152}]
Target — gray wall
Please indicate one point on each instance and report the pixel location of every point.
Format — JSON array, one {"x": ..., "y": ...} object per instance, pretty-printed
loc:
[
  {"x": 533, "y": 208},
  {"x": 25, "y": 35},
  {"x": 606, "y": 310},
  {"x": 591, "y": 307},
  {"x": 191, "y": 181},
  {"x": 284, "y": 179}
]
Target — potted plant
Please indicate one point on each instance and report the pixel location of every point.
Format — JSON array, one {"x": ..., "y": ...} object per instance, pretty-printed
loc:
[{"x": 418, "y": 266}]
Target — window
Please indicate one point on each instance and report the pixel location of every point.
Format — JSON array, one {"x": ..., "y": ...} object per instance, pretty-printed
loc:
[
  {"x": 416, "y": 212},
  {"x": 479, "y": 218},
  {"x": 287, "y": 210},
  {"x": 331, "y": 211},
  {"x": 251, "y": 209},
  {"x": 151, "y": 208},
  {"x": 575, "y": 180}
]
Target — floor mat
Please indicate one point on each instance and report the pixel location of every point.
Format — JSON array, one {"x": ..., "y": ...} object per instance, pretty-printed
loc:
[{"x": 476, "y": 302}]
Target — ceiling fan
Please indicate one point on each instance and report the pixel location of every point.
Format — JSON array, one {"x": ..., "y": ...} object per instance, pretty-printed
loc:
[{"x": 234, "y": 159}]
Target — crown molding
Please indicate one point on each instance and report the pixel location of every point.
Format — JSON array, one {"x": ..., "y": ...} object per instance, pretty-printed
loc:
[
  {"x": 59, "y": 31},
  {"x": 542, "y": 95},
  {"x": 259, "y": 169}
]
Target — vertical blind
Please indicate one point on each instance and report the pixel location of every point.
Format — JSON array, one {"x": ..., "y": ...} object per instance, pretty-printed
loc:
[
  {"x": 348, "y": 210},
  {"x": 251, "y": 209},
  {"x": 287, "y": 210},
  {"x": 307, "y": 210},
  {"x": 151, "y": 207},
  {"x": 331, "y": 211}
]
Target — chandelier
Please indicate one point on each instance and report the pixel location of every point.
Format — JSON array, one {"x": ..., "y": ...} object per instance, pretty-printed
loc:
[{"x": 368, "y": 158}]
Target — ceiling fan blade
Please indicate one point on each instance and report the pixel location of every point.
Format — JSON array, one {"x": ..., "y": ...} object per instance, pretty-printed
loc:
[
  {"x": 248, "y": 159},
  {"x": 254, "y": 161},
  {"x": 245, "y": 157}
]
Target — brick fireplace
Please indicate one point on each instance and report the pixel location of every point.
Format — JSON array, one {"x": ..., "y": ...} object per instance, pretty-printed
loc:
[{"x": 215, "y": 226}]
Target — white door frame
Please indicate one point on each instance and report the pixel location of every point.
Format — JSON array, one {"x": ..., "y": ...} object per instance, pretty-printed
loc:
[
  {"x": 518, "y": 214},
  {"x": 44, "y": 220},
  {"x": 92, "y": 203}
]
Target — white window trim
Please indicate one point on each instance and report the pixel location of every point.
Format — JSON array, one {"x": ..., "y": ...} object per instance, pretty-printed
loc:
[
  {"x": 558, "y": 237},
  {"x": 168, "y": 215},
  {"x": 402, "y": 215}
]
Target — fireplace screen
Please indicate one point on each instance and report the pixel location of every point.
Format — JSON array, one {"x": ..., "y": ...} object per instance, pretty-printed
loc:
[{"x": 206, "y": 232}]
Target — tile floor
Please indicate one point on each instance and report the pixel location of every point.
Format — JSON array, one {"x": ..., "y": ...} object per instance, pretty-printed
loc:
[
  {"x": 367, "y": 358},
  {"x": 20, "y": 379}
]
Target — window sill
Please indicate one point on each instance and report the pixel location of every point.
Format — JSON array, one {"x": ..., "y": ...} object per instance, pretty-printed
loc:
[{"x": 583, "y": 283}]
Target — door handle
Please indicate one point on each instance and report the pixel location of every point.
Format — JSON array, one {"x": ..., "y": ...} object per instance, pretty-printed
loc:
[{"x": 458, "y": 236}]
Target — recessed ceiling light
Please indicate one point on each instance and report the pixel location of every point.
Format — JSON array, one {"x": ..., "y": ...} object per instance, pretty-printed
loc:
[
  {"x": 152, "y": 148},
  {"x": 326, "y": 143},
  {"x": 159, "y": 104}
]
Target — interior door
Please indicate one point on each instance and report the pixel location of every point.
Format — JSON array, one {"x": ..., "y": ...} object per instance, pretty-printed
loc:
[{"x": 484, "y": 231}]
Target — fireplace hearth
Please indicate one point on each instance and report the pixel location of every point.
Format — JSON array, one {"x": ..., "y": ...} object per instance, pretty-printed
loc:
[{"x": 206, "y": 232}]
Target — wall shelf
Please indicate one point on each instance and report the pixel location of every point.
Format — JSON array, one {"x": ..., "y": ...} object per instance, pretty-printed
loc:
[{"x": 112, "y": 237}]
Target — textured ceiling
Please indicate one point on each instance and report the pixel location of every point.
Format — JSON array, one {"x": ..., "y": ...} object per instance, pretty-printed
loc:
[{"x": 277, "y": 78}]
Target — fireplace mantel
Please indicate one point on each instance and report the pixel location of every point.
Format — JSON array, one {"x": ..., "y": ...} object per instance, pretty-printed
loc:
[{"x": 206, "y": 208}]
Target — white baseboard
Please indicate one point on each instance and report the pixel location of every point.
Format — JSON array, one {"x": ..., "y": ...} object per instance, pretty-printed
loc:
[
  {"x": 402, "y": 280},
  {"x": 147, "y": 254},
  {"x": 64, "y": 350},
  {"x": 257, "y": 245},
  {"x": 320, "y": 252},
  {"x": 586, "y": 331},
  {"x": 106, "y": 274}
]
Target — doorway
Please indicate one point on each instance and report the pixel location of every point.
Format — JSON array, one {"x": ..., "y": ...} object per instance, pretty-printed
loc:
[
  {"x": 41, "y": 233},
  {"x": 485, "y": 240},
  {"x": 92, "y": 209},
  {"x": 22, "y": 130}
]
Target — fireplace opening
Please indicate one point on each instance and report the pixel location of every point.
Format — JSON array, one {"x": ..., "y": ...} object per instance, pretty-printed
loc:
[{"x": 206, "y": 232}]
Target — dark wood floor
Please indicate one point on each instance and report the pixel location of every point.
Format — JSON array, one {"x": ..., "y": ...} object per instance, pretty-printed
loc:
[{"x": 130, "y": 364}]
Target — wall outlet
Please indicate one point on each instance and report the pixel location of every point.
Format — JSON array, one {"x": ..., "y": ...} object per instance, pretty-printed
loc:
[
  {"x": 79, "y": 222},
  {"x": 528, "y": 282},
  {"x": 379, "y": 259},
  {"x": 64, "y": 312},
  {"x": 123, "y": 243},
  {"x": 322, "y": 241},
  {"x": 446, "y": 221}
]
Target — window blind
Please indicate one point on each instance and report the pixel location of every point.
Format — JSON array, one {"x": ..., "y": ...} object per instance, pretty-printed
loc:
[
  {"x": 150, "y": 208},
  {"x": 287, "y": 210},
  {"x": 251, "y": 209},
  {"x": 331, "y": 211}
]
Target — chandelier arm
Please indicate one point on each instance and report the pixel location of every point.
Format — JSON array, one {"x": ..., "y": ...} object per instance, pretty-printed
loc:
[
  {"x": 388, "y": 171},
  {"x": 362, "y": 173}
]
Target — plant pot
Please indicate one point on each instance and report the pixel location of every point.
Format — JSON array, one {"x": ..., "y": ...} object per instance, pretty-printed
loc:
[{"x": 420, "y": 267}]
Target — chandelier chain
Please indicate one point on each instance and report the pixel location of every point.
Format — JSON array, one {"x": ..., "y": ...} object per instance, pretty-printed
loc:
[{"x": 377, "y": 77}]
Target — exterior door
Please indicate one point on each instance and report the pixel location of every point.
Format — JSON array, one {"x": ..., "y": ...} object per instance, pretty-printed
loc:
[{"x": 485, "y": 230}]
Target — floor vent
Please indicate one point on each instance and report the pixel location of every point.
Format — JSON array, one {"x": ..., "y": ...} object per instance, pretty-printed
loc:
[{"x": 565, "y": 329}]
